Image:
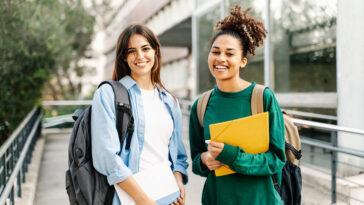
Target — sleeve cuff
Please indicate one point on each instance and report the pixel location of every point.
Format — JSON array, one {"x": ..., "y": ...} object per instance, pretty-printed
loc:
[
  {"x": 198, "y": 167},
  {"x": 183, "y": 171},
  {"x": 117, "y": 177},
  {"x": 228, "y": 154}
]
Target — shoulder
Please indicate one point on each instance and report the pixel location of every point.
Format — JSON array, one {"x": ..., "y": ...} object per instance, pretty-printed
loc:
[
  {"x": 269, "y": 99},
  {"x": 268, "y": 94},
  {"x": 105, "y": 88},
  {"x": 206, "y": 95},
  {"x": 194, "y": 104},
  {"x": 104, "y": 93},
  {"x": 171, "y": 100}
]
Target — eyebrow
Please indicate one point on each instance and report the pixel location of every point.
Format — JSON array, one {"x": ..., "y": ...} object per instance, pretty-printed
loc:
[
  {"x": 143, "y": 46},
  {"x": 229, "y": 49}
]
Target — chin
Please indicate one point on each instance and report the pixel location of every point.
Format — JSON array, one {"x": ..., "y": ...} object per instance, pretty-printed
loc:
[
  {"x": 222, "y": 77},
  {"x": 142, "y": 71}
]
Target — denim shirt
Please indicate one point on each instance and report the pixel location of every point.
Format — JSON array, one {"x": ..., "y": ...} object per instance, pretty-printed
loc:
[{"x": 118, "y": 163}]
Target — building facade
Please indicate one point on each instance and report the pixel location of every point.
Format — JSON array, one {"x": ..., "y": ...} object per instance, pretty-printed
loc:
[{"x": 306, "y": 59}]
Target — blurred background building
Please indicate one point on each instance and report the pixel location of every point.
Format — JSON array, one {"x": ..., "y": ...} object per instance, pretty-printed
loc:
[{"x": 301, "y": 60}]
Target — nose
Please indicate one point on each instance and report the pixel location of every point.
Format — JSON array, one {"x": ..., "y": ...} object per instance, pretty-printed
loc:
[
  {"x": 139, "y": 54},
  {"x": 221, "y": 58}
]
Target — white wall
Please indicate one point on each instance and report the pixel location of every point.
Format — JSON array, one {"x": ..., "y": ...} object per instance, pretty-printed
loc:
[
  {"x": 175, "y": 77},
  {"x": 350, "y": 77}
]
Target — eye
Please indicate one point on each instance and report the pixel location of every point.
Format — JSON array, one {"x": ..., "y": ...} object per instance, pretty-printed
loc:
[
  {"x": 146, "y": 48},
  {"x": 215, "y": 52},
  {"x": 229, "y": 54},
  {"x": 130, "y": 51}
]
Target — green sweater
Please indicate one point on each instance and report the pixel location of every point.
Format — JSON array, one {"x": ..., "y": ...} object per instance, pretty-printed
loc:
[{"x": 252, "y": 184}]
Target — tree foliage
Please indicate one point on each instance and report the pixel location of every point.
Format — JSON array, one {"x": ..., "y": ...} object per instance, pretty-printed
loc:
[{"x": 39, "y": 40}]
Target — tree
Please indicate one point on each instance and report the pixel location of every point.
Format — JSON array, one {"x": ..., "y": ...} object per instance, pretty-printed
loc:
[{"x": 38, "y": 40}]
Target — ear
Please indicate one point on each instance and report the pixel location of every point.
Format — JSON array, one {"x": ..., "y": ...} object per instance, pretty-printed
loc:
[{"x": 243, "y": 62}]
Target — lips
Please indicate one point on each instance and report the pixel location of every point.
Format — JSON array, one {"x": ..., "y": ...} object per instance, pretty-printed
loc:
[
  {"x": 141, "y": 64},
  {"x": 221, "y": 68}
]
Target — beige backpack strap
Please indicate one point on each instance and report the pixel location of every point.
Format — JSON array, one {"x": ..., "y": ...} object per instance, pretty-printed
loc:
[
  {"x": 201, "y": 105},
  {"x": 293, "y": 142},
  {"x": 257, "y": 99}
]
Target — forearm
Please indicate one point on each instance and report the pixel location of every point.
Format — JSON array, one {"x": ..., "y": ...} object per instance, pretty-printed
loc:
[
  {"x": 132, "y": 188},
  {"x": 267, "y": 163},
  {"x": 178, "y": 176}
]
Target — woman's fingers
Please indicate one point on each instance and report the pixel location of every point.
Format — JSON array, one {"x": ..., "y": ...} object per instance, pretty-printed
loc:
[
  {"x": 213, "y": 164},
  {"x": 213, "y": 167},
  {"x": 180, "y": 200},
  {"x": 214, "y": 151},
  {"x": 216, "y": 144}
]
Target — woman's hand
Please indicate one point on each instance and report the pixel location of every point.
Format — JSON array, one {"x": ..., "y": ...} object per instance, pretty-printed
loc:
[
  {"x": 210, "y": 161},
  {"x": 182, "y": 197},
  {"x": 215, "y": 148}
]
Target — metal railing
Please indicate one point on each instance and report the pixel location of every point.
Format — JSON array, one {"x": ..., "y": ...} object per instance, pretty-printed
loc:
[
  {"x": 15, "y": 156},
  {"x": 332, "y": 147},
  {"x": 49, "y": 122}
]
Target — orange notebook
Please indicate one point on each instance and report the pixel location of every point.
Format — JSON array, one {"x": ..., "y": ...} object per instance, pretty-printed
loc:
[{"x": 249, "y": 133}]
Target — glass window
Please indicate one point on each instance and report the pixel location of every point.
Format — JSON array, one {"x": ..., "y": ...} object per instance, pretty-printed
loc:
[
  {"x": 254, "y": 71},
  {"x": 205, "y": 29},
  {"x": 304, "y": 45},
  {"x": 201, "y": 2}
]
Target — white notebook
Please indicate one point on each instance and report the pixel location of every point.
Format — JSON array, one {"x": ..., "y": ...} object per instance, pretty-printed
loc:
[{"x": 158, "y": 182}]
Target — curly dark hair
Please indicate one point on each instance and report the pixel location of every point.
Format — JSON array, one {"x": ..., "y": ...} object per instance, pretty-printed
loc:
[{"x": 241, "y": 25}]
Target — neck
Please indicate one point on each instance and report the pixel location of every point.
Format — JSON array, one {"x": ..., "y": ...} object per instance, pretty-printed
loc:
[
  {"x": 232, "y": 85},
  {"x": 143, "y": 81}
]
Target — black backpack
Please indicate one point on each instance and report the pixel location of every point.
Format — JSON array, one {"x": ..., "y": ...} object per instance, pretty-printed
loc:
[
  {"x": 291, "y": 186},
  {"x": 84, "y": 185}
]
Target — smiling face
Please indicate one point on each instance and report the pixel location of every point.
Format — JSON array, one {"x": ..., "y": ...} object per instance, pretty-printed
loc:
[
  {"x": 226, "y": 58},
  {"x": 140, "y": 56}
]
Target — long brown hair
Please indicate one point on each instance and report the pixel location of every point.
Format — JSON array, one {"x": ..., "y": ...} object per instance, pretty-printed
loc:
[{"x": 121, "y": 68}]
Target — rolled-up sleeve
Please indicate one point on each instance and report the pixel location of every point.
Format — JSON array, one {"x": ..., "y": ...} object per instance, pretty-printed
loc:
[
  {"x": 105, "y": 140},
  {"x": 181, "y": 165}
]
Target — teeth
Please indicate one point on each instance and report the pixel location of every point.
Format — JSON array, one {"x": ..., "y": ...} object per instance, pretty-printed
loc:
[
  {"x": 220, "y": 67},
  {"x": 141, "y": 64}
]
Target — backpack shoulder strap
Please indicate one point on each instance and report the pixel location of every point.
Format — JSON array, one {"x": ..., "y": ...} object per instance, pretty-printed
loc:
[
  {"x": 201, "y": 105},
  {"x": 120, "y": 92},
  {"x": 124, "y": 117},
  {"x": 256, "y": 101}
]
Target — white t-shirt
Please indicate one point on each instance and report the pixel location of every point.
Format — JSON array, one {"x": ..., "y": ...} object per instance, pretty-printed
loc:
[{"x": 158, "y": 130}]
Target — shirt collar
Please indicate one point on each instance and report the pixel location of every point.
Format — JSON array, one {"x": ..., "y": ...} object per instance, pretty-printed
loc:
[
  {"x": 129, "y": 82},
  {"x": 161, "y": 90}
]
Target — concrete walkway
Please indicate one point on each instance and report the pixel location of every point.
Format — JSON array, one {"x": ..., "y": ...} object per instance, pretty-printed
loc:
[
  {"x": 51, "y": 181},
  {"x": 51, "y": 189}
]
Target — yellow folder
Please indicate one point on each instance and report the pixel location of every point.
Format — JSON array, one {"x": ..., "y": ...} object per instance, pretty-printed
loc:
[{"x": 249, "y": 133}]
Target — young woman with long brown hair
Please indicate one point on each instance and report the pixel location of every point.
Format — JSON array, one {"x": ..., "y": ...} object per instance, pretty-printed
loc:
[{"x": 157, "y": 135}]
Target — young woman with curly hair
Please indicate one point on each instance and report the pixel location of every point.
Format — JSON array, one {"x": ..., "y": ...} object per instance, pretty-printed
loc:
[{"x": 237, "y": 36}]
